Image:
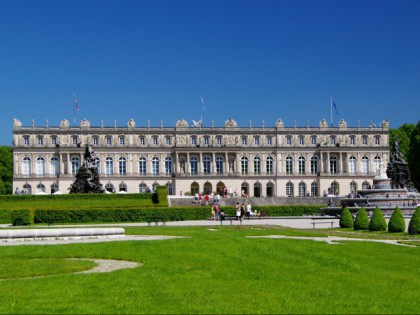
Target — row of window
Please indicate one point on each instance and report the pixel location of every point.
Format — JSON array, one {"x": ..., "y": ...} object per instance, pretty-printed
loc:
[
  {"x": 194, "y": 165},
  {"x": 194, "y": 140},
  {"x": 302, "y": 189}
]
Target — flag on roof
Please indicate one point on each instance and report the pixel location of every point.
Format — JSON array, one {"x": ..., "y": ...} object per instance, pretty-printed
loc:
[{"x": 76, "y": 104}]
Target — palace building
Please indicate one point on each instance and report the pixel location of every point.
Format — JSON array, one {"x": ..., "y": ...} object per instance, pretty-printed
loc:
[{"x": 256, "y": 161}]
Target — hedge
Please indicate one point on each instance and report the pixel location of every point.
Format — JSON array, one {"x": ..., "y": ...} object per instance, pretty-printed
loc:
[
  {"x": 414, "y": 225},
  {"x": 22, "y": 217},
  {"x": 396, "y": 223},
  {"x": 361, "y": 222},
  {"x": 377, "y": 221},
  {"x": 5, "y": 216},
  {"x": 346, "y": 219}
]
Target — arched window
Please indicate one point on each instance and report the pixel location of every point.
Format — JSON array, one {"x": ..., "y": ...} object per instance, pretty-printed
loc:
[
  {"x": 207, "y": 188},
  {"x": 142, "y": 188},
  {"x": 109, "y": 166},
  {"x": 353, "y": 188},
  {"x": 206, "y": 165},
  {"x": 333, "y": 165},
  {"x": 302, "y": 189},
  {"x": 40, "y": 166},
  {"x": 75, "y": 164},
  {"x": 257, "y": 165},
  {"x": 169, "y": 189},
  {"x": 289, "y": 189},
  {"x": 301, "y": 165},
  {"x": 98, "y": 164},
  {"x": 335, "y": 188},
  {"x": 269, "y": 162},
  {"x": 54, "y": 166},
  {"x": 122, "y": 166},
  {"x": 194, "y": 165},
  {"x": 244, "y": 165},
  {"x": 365, "y": 165},
  {"x": 244, "y": 189},
  {"x": 142, "y": 165},
  {"x": 314, "y": 165},
  {"x": 155, "y": 166},
  {"x": 54, "y": 188},
  {"x": 352, "y": 165},
  {"x": 27, "y": 189},
  {"x": 109, "y": 187},
  {"x": 26, "y": 166},
  {"x": 366, "y": 185},
  {"x": 219, "y": 165},
  {"x": 270, "y": 189},
  {"x": 314, "y": 189},
  {"x": 40, "y": 188},
  {"x": 289, "y": 165},
  {"x": 195, "y": 188},
  {"x": 257, "y": 189},
  {"x": 377, "y": 161},
  {"x": 122, "y": 187},
  {"x": 168, "y": 165}
]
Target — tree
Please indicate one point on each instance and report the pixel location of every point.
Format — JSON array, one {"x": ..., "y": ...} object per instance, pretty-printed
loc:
[
  {"x": 414, "y": 225},
  {"x": 377, "y": 221},
  {"x": 6, "y": 170},
  {"x": 362, "y": 220},
  {"x": 414, "y": 156},
  {"x": 396, "y": 222},
  {"x": 346, "y": 219},
  {"x": 403, "y": 134}
]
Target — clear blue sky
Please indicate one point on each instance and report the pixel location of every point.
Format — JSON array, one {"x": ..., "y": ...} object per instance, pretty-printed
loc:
[{"x": 250, "y": 60}]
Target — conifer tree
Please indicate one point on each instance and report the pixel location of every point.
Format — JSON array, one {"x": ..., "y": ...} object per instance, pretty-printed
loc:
[
  {"x": 396, "y": 222},
  {"x": 362, "y": 220},
  {"x": 414, "y": 225},
  {"x": 377, "y": 222},
  {"x": 346, "y": 219}
]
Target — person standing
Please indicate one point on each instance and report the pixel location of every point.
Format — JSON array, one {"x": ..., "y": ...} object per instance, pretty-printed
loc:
[
  {"x": 248, "y": 210},
  {"x": 238, "y": 211}
]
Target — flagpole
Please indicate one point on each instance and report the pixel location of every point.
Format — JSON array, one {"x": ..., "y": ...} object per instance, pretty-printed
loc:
[{"x": 331, "y": 111}]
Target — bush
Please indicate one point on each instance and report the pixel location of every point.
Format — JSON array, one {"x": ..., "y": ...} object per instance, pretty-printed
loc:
[
  {"x": 377, "y": 222},
  {"x": 362, "y": 220},
  {"x": 396, "y": 222},
  {"x": 5, "y": 216},
  {"x": 414, "y": 225},
  {"x": 346, "y": 219},
  {"x": 22, "y": 217}
]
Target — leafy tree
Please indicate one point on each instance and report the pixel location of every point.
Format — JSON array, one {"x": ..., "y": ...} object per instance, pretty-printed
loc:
[
  {"x": 377, "y": 221},
  {"x": 414, "y": 156},
  {"x": 414, "y": 225},
  {"x": 403, "y": 134},
  {"x": 396, "y": 222},
  {"x": 6, "y": 170},
  {"x": 362, "y": 220},
  {"x": 346, "y": 219}
]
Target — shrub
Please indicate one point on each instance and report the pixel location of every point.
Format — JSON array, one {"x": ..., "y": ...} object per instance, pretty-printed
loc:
[
  {"x": 362, "y": 220},
  {"x": 377, "y": 222},
  {"x": 346, "y": 219},
  {"x": 396, "y": 222},
  {"x": 414, "y": 225},
  {"x": 24, "y": 217}
]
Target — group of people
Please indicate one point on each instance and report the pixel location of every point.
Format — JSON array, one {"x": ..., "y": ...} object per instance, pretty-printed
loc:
[{"x": 241, "y": 211}]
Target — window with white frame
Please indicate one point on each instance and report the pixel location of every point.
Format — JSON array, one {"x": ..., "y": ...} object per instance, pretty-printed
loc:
[
  {"x": 95, "y": 140},
  {"x": 142, "y": 141},
  {"x": 333, "y": 165},
  {"x": 256, "y": 140},
  {"x": 269, "y": 140},
  {"x": 219, "y": 140},
  {"x": 377, "y": 140},
  {"x": 352, "y": 140},
  {"x": 301, "y": 165},
  {"x": 122, "y": 140},
  {"x": 75, "y": 164},
  {"x": 26, "y": 140},
  {"x": 26, "y": 166},
  {"x": 314, "y": 164},
  {"x": 257, "y": 165},
  {"x": 168, "y": 140},
  {"x": 108, "y": 140},
  {"x": 168, "y": 165},
  {"x": 109, "y": 166},
  {"x": 244, "y": 140},
  {"x": 302, "y": 189},
  {"x": 206, "y": 165},
  {"x": 155, "y": 140},
  {"x": 289, "y": 140},
  {"x": 244, "y": 165},
  {"x": 365, "y": 165},
  {"x": 289, "y": 165},
  {"x": 313, "y": 140},
  {"x": 122, "y": 166},
  {"x": 155, "y": 166},
  {"x": 301, "y": 140},
  {"x": 364, "y": 140},
  {"x": 269, "y": 162},
  {"x": 142, "y": 165},
  {"x": 53, "y": 140},
  {"x": 194, "y": 165},
  {"x": 54, "y": 166},
  {"x": 206, "y": 140},
  {"x": 219, "y": 165},
  {"x": 193, "y": 140},
  {"x": 40, "y": 140},
  {"x": 289, "y": 189},
  {"x": 352, "y": 165}
]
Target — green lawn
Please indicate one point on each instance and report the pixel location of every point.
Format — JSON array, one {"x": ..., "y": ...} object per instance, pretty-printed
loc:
[{"x": 215, "y": 272}]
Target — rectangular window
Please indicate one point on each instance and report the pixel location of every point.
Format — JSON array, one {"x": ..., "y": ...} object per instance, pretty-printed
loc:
[
  {"x": 194, "y": 140},
  {"x": 206, "y": 140},
  {"x": 26, "y": 140},
  {"x": 74, "y": 140},
  {"x": 244, "y": 141},
  {"x": 332, "y": 140},
  {"x": 289, "y": 140},
  {"x": 269, "y": 140},
  {"x": 40, "y": 140},
  {"x": 108, "y": 140},
  {"x": 301, "y": 140},
  {"x": 168, "y": 140},
  {"x": 365, "y": 140},
  {"x": 313, "y": 140},
  {"x": 95, "y": 140},
  {"x": 352, "y": 140},
  {"x": 377, "y": 140},
  {"x": 155, "y": 141},
  {"x": 256, "y": 141},
  {"x": 142, "y": 141},
  {"x": 53, "y": 140},
  {"x": 122, "y": 141},
  {"x": 219, "y": 140}
]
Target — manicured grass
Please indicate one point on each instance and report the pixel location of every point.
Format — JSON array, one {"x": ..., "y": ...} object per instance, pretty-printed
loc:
[{"x": 220, "y": 271}]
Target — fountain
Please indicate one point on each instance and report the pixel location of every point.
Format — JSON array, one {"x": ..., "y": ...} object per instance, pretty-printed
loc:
[
  {"x": 87, "y": 177},
  {"x": 390, "y": 189}
]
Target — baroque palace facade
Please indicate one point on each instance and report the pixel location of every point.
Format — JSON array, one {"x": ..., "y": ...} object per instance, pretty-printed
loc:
[{"x": 256, "y": 161}]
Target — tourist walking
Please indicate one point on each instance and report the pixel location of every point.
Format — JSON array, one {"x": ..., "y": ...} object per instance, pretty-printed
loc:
[
  {"x": 238, "y": 211},
  {"x": 248, "y": 210}
]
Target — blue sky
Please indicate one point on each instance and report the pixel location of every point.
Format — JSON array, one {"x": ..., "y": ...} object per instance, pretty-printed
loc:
[{"x": 250, "y": 60}]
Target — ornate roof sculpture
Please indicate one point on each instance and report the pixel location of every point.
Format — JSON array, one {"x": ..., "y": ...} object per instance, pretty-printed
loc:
[
  {"x": 230, "y": 123},
  {"x": 64, "y": 124},
  {"x": 182, "y": 123}
]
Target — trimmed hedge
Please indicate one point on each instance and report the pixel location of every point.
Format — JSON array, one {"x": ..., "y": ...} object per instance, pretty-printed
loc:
[
  {"x": 396, "y": 223},
  {"x": 346, "y": 219},
  {"x": 362, "y": 220},
  {"x": 279, "y": 211},
  {"x": 377, "y": 221},
  {"x": 5, "y": 216},
  {"x": 22, "y": 217},
  {"x": 414, "y": 225}
]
